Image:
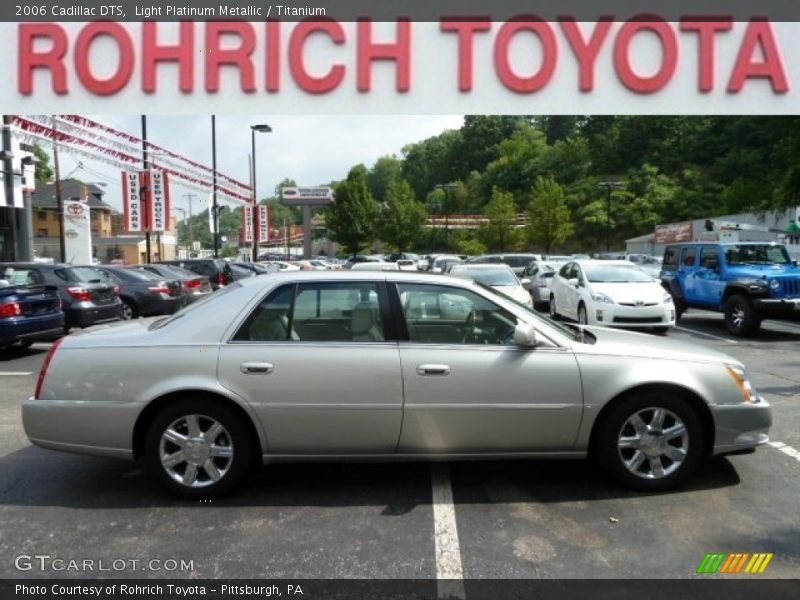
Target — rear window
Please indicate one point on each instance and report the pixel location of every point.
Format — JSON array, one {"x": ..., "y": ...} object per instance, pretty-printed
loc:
[
  {"x": 517, "y": 261},
  {"x": 21, "y": 276},
  {"x": 89, "y": 275}
]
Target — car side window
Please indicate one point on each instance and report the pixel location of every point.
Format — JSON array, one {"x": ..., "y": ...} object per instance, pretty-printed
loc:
[
  {"x": 447, "y": 315},
  {"x": 671, "y": 256},
  {"x": 709, "y": 258},
  {"x": 271, "y": 319},
  {"x": 688, "y": 256},
  {"x": 320, "y": 312},
  {"x": 564, "y": 272}
]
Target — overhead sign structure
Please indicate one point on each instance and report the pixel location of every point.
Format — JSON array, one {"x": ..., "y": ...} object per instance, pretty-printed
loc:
[
  {"x": 77, "y": 233},
  {"x": 145, "y": 201},
  {"x": 307, "y": 196}
]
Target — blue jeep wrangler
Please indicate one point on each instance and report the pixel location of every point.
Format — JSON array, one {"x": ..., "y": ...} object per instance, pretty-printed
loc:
[{"x": 747, "y": 281}]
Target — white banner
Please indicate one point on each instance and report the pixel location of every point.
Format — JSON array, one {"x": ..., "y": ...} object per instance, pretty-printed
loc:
[
  {"x": 247, "y": 225},
  {"x": 158, "y": 200},
  {"x": 16, "y": 170},
  {"x": 77, "y": 233},
  {"x": 132, "y": 205},
  {"x": 212, "y": 223},
  {"x": 3, "y": 202},
  {"x": 262, "y": 224}
]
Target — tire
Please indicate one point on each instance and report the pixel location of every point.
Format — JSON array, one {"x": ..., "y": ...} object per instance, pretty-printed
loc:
[
  {"x": 25, "y": 344},
  {"x": 653, "y": 450},
  {"x": 233, "y": 444},
  {"x": 680, "y": 307},
  {"x": 583, "y": 316},
  {"x": 741, "y": 317},
  {"x": 552, "y": 308},
  {"x": 128, "y": 310}
]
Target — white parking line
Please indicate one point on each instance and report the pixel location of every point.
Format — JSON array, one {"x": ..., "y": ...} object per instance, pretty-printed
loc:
[
  {"x": 449, "y": 571},
  {"x": 787, "y": 450},
  {"x": 710, "y": 335},
  {"x": 15, "y": 373}
]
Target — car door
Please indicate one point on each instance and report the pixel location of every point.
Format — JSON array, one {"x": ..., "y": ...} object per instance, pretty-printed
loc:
[
  {"x": 570, "y": 293},
  {"x": 318, "y": 363},
  {"x": 560, "y": 287},
  {"x": 469, "y": 389},
  {"x": 708, "y": 284},
  {"x": 687, "y": 272}
]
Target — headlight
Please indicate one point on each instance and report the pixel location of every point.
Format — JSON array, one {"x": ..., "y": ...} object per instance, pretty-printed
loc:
[
  {"x": 602, "y": 298},
  {"x": 775, "y": 285},
  {"x": 667, "y": 299},
  {"x": 745, "y": 387}
]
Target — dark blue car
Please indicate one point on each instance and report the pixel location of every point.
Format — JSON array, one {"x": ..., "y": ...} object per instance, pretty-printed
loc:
[{"x": 29, "y": 313}]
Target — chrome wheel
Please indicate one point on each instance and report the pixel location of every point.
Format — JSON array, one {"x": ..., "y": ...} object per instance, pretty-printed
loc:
[
  {"x": 737, "y": 315},
  {"x": 196, "y": 451},
  {"x": 653, "y": 443},
  {"x": 127, "y": 311}
]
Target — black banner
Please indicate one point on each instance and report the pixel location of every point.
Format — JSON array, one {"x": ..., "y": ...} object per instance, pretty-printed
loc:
[
  {"x": 357, "y": 589},
  {"x": 390, "y": 10}
]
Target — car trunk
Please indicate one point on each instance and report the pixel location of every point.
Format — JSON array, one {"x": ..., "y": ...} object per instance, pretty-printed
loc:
[{"x": 34, "y": 300}]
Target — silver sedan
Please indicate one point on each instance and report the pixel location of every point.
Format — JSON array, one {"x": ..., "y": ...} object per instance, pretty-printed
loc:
[{"x": 407, "y": 366}]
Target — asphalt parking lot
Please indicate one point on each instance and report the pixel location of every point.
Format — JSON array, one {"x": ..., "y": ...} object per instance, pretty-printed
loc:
[{"x": 542, "y": 519}]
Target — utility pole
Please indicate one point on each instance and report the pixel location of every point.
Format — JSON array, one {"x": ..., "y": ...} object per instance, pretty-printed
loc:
[
  {"x": 146, "y": 191},
  {"x": 214, "y": 207},
  {"x": 62, "y": 245},
  {"x": 191, "y": 230},
  {"x": 8, "y": 181}
]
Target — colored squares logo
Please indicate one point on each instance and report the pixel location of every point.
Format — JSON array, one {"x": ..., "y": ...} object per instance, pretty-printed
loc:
[{"x": 734, "y": 563}]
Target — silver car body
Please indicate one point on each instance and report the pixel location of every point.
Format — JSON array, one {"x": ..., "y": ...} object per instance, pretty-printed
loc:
[{"x": 375, "y": 399}]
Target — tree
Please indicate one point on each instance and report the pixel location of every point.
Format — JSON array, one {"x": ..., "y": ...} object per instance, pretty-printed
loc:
[
  {"x": 401, "y": 217},
  {"x": 384, "y": 172},
  {"x": 549, "y": 218},
  {"x": 500, "y": 233},
  {"x": 352, "y": 216},
  {"x": 44, "y": 172}
]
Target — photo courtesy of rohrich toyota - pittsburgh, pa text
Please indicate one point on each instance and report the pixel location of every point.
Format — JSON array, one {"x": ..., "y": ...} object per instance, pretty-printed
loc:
[{"x": 400, "y": 300}]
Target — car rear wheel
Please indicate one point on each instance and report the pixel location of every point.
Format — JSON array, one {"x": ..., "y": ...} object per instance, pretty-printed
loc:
[
  {"x": 741, "y": 317},
  {"x": 650, "y": 442},
  {"x": 199, "y": 448},
  {"x": 128, "y": 310}
]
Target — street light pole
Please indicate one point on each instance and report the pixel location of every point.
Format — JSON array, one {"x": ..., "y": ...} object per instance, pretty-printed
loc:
[
  {"x": 609, "y": 185},
  {"x": 261, "y": 129}
]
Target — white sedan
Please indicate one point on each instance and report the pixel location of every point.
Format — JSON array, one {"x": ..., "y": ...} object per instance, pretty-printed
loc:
[
  {"x": 499, "y": 277},
  {"x": 614, "y": 293}
]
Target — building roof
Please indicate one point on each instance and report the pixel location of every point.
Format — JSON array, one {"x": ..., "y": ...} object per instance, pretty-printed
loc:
[
  {"x": 71, "y": 189},
  {"x": 648, "y": 237}
]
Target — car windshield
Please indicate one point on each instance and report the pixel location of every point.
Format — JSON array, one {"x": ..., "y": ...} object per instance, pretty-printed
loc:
[
  {"x": 517, "y": 261},
  {"x": 499, "y": 277},
  {"x": 141, "y": 275},
  {"x": 616, "y": 274},
  {"x": 757, "y": 254},
  {"x": 20, "y": 276},
  {"x": 90, "y": 275}
]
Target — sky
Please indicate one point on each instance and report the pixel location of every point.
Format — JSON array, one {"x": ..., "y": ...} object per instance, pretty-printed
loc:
[{"x": 309, "y": 149}]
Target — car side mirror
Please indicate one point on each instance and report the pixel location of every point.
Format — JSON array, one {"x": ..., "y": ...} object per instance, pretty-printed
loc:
[
  {"x": 525, "y": 335},
  {"x": 573, "y": 282},
  {"x": 526, "y": 283}
]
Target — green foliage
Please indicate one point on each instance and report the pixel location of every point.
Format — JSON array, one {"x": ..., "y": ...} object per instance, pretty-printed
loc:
[
  {"x": 44, "y": 172},
  {"x": 401, "y": 217},
  {"x": 384, "y": 172},
  {"x": 352, "y": 218},
  {"x": 500, "y": 233},
  {"x": 549, "y": 218},
  {"x": 470, "y": 246}
]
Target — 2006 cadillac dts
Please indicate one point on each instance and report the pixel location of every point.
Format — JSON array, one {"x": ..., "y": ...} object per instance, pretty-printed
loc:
[{"x": 313, "y": 365}]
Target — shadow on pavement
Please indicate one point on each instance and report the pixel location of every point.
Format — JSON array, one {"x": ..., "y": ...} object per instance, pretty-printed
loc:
[
  {"x": 712, "y": 324},
  {"x": 36, "y": 477}
]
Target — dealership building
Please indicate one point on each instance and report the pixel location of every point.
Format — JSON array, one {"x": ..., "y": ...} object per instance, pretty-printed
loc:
[{"x": 768, "y": 225}]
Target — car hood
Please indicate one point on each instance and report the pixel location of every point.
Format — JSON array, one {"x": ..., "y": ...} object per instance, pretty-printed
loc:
[
  {"x": 517, "y": 292},
  {"x": 763, "y": 271},
  {"x": 616, "y": 342},
  {"x": 647, "y": 292}
]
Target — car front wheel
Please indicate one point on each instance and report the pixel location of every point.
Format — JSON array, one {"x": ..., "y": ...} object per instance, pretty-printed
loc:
[
  {"x": 199, "y": 448},
  {"x": 651, "y": 442},
  {"x": 741, "y": 317}
]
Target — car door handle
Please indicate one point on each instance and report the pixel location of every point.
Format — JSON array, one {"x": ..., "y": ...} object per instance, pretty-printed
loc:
[
  {"x": 440, "y": 370},
  {"x": 256, "y": 368}
]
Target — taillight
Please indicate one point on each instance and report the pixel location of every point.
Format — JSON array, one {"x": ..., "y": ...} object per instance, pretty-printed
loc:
[
  {"x": 80, "y": 294},
  {"x": 192, "y": 284},
  {"x": 10, "y": 309},
  {"x": 220, "y": 278},
  {"x": 45, "y": 366},
  {"x": 161, "y": 288}
]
